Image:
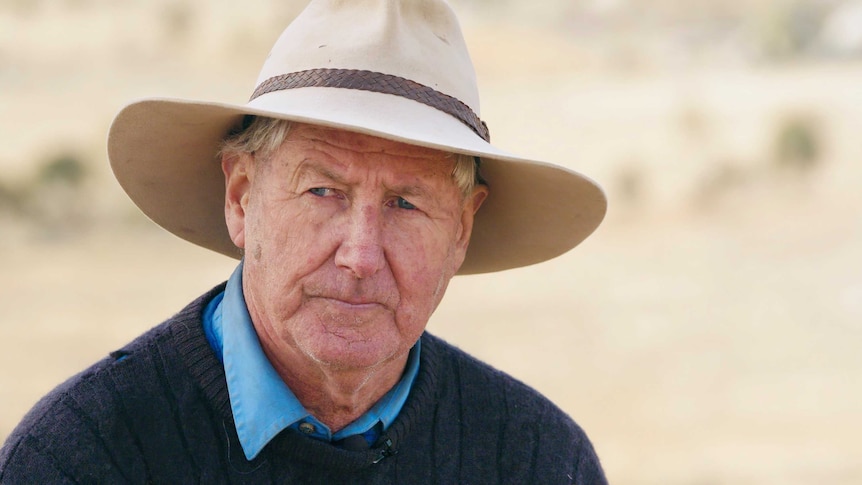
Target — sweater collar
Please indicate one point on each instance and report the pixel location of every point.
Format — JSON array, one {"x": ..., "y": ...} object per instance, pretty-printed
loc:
[{"x": 206, "y": 369}]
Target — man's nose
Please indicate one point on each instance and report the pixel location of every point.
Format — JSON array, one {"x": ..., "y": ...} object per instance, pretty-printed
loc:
[{"x": 361, "y": 249}]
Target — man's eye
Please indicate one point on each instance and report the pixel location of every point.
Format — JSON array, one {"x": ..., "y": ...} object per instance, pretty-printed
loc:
[
  {"x": 320, "y": 191},
  {"x": 403, "y": 204}
]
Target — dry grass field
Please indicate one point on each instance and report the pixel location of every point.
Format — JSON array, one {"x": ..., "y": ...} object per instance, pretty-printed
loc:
[{"x": 708, "y": 333}]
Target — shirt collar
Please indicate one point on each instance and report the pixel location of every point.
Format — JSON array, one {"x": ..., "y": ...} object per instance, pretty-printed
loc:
[{"x": 261, "y": 402}]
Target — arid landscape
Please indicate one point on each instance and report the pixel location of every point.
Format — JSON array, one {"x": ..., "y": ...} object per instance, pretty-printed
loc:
[{"x": 708, "y": 332}]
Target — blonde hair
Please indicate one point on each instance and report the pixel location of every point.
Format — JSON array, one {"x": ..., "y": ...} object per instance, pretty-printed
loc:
[{"x": 262, "y": 136}]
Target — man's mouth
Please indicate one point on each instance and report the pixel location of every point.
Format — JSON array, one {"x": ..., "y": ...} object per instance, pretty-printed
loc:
[{"x": 351, "y": 302}]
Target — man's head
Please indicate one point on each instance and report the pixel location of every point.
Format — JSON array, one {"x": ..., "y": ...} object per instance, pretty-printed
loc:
[{"x": 350, "y": 240}]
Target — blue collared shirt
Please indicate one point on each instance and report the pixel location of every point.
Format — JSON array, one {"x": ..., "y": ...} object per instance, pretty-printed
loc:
[{"x": 262, "y": 404}]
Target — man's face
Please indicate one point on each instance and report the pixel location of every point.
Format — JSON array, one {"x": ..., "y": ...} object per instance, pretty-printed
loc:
[{"x": 350, "y": 242}]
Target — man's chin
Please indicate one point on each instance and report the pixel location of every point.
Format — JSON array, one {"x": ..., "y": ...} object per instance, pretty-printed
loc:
[{"x": 346, "y": 355}]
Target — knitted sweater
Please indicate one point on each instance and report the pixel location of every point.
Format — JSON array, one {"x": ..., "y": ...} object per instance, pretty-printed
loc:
[{"x": 157, "y": 411}]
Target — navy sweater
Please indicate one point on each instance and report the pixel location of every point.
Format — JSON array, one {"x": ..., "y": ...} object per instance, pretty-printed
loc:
[{"x": 157, "y": 411}]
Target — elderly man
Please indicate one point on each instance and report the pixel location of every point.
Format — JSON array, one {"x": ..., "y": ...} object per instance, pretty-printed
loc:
[{"x": 350, "y": 186}]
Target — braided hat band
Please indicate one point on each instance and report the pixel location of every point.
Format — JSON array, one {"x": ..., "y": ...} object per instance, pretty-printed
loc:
[{"x": 378, "y": 83}]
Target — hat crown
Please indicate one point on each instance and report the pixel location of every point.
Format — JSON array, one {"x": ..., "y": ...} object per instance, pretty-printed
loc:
[{"x": 419, "y": 40}]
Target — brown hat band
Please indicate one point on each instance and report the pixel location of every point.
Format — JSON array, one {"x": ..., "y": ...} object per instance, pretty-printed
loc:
[{"x": 378, "y": 83}]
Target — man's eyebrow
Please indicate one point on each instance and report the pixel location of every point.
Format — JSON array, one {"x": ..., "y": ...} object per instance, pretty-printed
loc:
[
  {"x": 309, "y": 167},
  {"x": 410, "y": 190}
]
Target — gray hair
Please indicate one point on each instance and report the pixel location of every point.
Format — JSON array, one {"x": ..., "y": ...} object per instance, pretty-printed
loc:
[{"x": 262, "y": 136}]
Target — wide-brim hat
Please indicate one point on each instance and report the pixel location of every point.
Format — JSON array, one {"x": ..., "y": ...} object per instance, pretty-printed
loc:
[{"x": 395, "y": 69}]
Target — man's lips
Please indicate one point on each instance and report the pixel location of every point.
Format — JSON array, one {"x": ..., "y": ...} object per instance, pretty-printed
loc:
[{"x": 354, "y": 303}]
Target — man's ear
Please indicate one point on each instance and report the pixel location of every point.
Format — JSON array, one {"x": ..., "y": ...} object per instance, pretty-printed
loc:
[
  {"x": 468, "y": 213},
  {"x": 236, "y": 168}
]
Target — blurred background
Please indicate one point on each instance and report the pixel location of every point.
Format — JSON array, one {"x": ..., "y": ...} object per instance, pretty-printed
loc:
[{"x": 708, "y": 333}]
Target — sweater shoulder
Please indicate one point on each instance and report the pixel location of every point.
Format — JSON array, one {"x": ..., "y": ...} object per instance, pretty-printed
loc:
[
  {"x": 530, "y": 428},
  {"x": 479, "y": 379},
  {"x": 94, "y": 417},
  {"x": 65, "y": 431}
]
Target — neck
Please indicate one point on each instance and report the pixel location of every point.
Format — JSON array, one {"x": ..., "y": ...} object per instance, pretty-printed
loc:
[{"x": 336, "y": 397}]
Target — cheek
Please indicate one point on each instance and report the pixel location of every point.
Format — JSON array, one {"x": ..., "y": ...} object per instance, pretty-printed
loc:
[
  {"x": 283, "y": 229},
  {"x": 421, "y": 262},
  {"x": 286, "y": 242}
]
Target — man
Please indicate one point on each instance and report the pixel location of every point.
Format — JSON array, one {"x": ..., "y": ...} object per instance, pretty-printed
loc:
[{"x": 350, "y": 186}]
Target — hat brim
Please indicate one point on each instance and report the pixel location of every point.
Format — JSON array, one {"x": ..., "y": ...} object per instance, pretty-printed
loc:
[{"x": 163, "y": 153}]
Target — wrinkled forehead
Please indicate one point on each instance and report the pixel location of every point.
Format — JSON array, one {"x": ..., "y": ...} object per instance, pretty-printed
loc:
[{"x": 349, "y": 141}]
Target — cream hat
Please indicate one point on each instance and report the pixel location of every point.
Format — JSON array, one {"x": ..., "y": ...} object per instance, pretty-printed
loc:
[{"x": 396, "y": 69}]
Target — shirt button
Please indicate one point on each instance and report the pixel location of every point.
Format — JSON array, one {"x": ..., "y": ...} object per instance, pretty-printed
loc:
[{"x": 306, "y": 428}]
